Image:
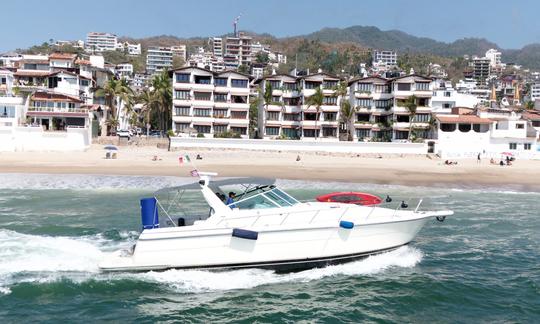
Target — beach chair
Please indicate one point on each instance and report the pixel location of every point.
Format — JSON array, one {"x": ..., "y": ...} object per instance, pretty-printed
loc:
[
  {"x": 108, "y": 155},
  {"x": 114, "y": 155}
]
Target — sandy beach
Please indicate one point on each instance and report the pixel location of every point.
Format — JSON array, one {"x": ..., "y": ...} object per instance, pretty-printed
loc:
[{"x": 405, "y": 170}]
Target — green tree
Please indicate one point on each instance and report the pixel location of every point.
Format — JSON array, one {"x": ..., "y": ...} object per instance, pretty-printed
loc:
[
  {"x": 115, "y": 92},
  {"x": 346, "y": 111},
  {"x": 162, "y": 87},
  {"x": 149, "y": 103},
  {"x": 411, "y": 106},
  {"x": 267, "y": 99},
  {"x": 316, "y": 100}
]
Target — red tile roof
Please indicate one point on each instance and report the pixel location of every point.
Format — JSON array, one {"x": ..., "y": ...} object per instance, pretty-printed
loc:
[
  {"x": 62, "y": 56},
  {"x": 49, "y": 96}
]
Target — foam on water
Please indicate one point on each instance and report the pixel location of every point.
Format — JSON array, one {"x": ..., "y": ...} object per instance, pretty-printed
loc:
[{"x": 44, "y": 259}]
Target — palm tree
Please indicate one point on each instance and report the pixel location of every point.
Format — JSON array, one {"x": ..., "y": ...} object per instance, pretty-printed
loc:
[
  {"x": 148, "y": 101},
  {"x": 347, "y": 113},
  {"x": 346, "y": 110},
  {"x": 316, "y": 100},
  {"x": 115, "y": 91},
  {"x": 267, "y": 99},
  {"x": 162, "y": 90},
  {"x": 411, "y": 106}
]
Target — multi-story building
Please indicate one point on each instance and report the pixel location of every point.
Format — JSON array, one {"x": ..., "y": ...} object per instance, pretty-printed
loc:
[
  {"x": 124, "y": 70},
  {"x": 100, "y": 42},
  {"x": 372, "y": 99},
  {"x": 62, "y": 61},
  {"x": 288, "y": 115},
  {"x": 130, "y": 49},
  {"x": 158, "y": 59},
  {"x": 445, "y": 97},
  {"x": 237, "y": 51},
  {"x": 217, "y": 46},
  {"x": 481, "y": 69},
  {"x": 535, "y": 91},
  {"x": 494, "y": 57},
  {"x": 179, "y": 51},
  {"x": 210, "y": 103},
  {"x": 387, "y": 58}
]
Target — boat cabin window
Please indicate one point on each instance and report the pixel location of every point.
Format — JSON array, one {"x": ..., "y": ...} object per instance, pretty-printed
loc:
[{"x": 263, "y": 197}]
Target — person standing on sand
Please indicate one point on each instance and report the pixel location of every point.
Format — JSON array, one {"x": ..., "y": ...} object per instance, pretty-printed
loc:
[{"x": 478, "y": 160}]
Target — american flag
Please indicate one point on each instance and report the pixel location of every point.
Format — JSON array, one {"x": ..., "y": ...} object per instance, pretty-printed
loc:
[{"x": 194, "y": 173}]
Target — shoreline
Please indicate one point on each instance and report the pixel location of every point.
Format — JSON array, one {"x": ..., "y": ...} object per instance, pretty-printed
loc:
[{"x": 391, "y": 170}]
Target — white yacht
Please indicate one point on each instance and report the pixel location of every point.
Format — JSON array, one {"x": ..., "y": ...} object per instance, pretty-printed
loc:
[{"x": 261, "y": 227}]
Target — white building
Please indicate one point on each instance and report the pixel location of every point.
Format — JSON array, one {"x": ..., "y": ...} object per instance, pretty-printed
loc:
[
  {"x": 210, "y": 103},
  {"x": 140, "y": 80},
  {"x": 124, "y": 70},
  {"x": 494, "y": 57},
  {"x": 487, "y": 131},
  {"x": 386, "y": 58},
  {"x": 158, "y": 59},
  {"x": 179, "y": 51},
  {"x": 217, "y": 46},
  {"x": 445, "y": 97},
  {"x": 100, "y": 42},
  {"x": 535, "y": 91},
  {"x": 130, "y": 49}
]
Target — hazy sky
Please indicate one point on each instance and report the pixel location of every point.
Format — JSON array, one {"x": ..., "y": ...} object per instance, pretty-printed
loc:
[{"x": 510, "y": 24}]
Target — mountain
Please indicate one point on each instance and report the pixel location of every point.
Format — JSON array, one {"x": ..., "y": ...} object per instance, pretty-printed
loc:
[{"x": 373, "y": 37}]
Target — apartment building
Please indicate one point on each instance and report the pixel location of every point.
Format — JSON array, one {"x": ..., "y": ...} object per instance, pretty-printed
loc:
[
  {"x": 481, "y": 69},
  {"x": 388, "y": 58},
  {"x": 100, "y": 42},
  {"x": 217, "y": 46},
  {"x": 237, "y": 51},
  {"x": 158, "y": 59},
  {"x": 210, "y": 103},
  {"x": 179, "y": 51},
  {"x": 124, "y": 70},
  {"x": 130, "y": 49},
  {"x": 535, "y": 91},
  {"x": 494, "y": 57},
  {"x": 287, "y": 114}
]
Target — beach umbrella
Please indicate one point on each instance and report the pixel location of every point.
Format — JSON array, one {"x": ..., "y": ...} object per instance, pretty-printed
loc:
[
  {"x": 507, "y": 154},
  {"x": 111, "y": 148}
]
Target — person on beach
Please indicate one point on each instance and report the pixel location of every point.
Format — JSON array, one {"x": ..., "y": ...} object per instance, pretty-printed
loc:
[{"x": 478, "y": 160}]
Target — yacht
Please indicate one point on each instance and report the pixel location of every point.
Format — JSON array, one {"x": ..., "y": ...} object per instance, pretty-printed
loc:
[{"x": 251, "y": 223}]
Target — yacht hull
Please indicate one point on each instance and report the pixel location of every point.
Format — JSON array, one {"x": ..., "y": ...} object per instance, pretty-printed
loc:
[{"x": 292, "y": 249}]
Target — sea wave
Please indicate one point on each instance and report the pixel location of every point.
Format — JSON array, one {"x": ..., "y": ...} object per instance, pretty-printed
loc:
[{"x": 45, "y": 259}]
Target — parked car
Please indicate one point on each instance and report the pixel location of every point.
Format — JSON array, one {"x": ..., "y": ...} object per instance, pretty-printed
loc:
[{"x": 123, "y": 133}]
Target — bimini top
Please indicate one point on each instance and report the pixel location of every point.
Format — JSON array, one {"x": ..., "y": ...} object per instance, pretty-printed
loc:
[{"x": 245, "y": 182}]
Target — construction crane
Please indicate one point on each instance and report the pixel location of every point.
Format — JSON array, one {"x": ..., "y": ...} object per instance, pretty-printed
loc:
[{"x": 235, "y": 25}]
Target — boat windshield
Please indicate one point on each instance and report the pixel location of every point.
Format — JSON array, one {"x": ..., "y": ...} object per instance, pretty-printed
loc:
[{"x": 263, "y": 197}]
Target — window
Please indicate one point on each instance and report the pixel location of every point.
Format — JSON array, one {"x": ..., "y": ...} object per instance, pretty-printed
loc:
[
  {"x": 310, "y": 116},
  {"x": 362, "y": 117},
  {"x": 239, "y": 114},
  {"x": 201, "y": 112},
  {"x": 181, "y": 111},
  {"x": 7, "y": 111},
  {"x": 220, "y": 97},
  {"x": 201, "y": 79},
  {"x": 235, "y": 83},
  {"x": 220, "y": 82},
  {"x": 220, "y": 129},
  {"x": 448, "y": 127},
  {"x": 239, "y": 130},
  {"x": 85, "y": 83},
  {"x": 422, "y": 86},
  {"x": 289, "y": 132},
  {"x": 182, "y": 78},
  {"x": 330, "y": 84},
  {"x": 311, "y": 133},
  {"x": 464, "y": 128},
  {"x": 3, "y": 80},
  {"x": 238, "y": 99},
  {"x": 291, "y": 117},
  {"x": 276, "y": 99},
  {"x": 513, "y": 146},
  {"x": 520, "y": 126},
  {"x": 312, "y": 85},
  {"x": 330, "y": 101},
  {"x": 404, "y": 87},
  {"x": 220, "y": 113},
  {"x": 402, "y": 118},
  {"x": 422, "y": 118},
  {"x": 202, "y": 129},
  {"x": 331, "y": 116},
  {"x": 446, "y": 105},
  {"x": 181, "y": 126},
  {"x": 401, "y": 135},
  {"x": 361, "y": 133},
  {"x": 291, "y": 101},
  {"x": 181, "y": 94},
  {"x": 272, "y": 130},
  {"x": 366, "y": 103},
  {"x": 527, "y": 146},
  {"x": 289, "y": 86},
  {"x": 383, "y": 104},
  {"x": 364, "y": 87},
  {"x": 272, "y": 115},
  {"x": 275, "y": 84},
  {"x": 329, "y": 131},
  {"x": 447, "y": 94},
  {"x": 204, "y": 96}
]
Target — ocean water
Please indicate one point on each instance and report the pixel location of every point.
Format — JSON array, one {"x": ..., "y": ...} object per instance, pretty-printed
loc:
[{"x": 480, "y": 265}]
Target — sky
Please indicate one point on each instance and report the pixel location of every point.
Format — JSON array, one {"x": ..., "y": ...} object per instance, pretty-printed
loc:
[{"x": 510, "y": 24}]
